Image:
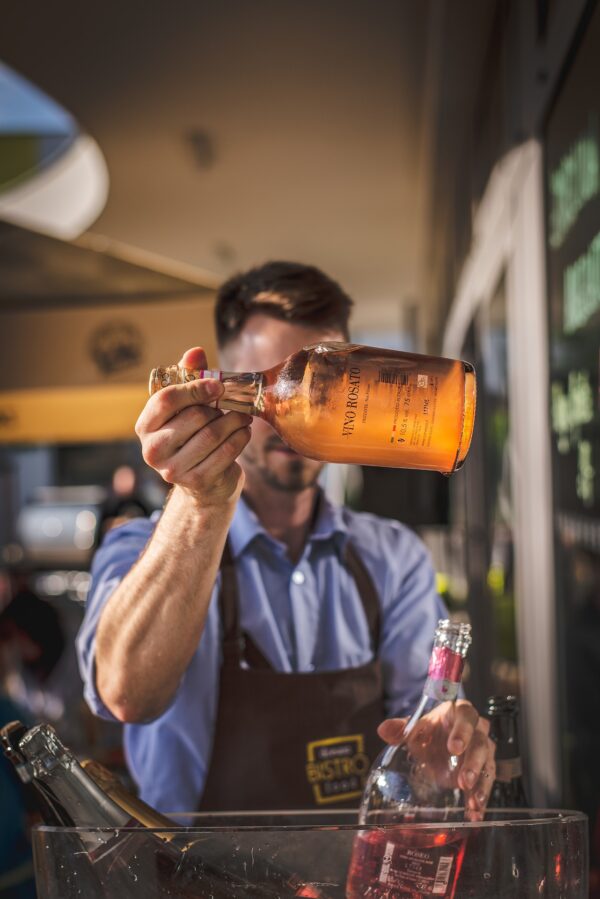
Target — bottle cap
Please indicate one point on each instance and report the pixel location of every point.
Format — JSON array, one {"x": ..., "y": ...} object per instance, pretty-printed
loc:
[
  {"x": 454, "y": 635},
  {"x": 43, "y": 750},
  {"x": 174, "y": 374},
  {"x": 163, "y": 377}
]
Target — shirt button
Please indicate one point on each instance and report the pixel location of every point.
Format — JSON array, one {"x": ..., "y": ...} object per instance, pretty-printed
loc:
[{"x": 298, "y": 577}]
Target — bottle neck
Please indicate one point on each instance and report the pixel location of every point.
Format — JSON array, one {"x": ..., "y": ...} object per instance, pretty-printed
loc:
[
  {"x": 86, "y": 804},
  {"x": 505, "y": 734},
  {"x": 243, "y": 391},
  {"x": 442, "y": 684},
  {"x": 132, "y": 805},
  {"x": 63, "y": 782}
]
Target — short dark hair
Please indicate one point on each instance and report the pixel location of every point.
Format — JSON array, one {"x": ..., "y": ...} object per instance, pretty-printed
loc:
[{"x": 290, "y": 291}]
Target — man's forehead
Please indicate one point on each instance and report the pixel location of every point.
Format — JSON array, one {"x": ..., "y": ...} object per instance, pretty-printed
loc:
[{"x": 264, "y": 341}]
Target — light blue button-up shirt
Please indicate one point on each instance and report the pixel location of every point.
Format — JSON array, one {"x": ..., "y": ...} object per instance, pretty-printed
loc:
[{"x": 304, "y": 617}]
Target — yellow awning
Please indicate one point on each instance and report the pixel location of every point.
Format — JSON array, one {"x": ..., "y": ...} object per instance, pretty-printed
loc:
[{"x": 71, "y": 414}]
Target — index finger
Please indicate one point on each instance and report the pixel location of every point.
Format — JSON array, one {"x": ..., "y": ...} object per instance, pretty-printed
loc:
[
  {"x": 166, "y": 403},
  {"x": 463, "y": 724}
]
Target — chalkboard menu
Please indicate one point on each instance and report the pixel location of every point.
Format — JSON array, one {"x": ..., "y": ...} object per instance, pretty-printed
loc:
[
  {"x": 573, "y": 251},
  {"x": 572, "y": 176}
]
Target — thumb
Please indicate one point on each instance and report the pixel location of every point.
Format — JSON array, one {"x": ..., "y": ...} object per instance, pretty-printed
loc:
[
  {"x": 392, "y": 730},
  {"x": 193, "y": 358}
]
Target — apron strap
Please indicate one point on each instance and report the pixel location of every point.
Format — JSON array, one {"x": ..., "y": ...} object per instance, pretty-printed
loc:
[
  {"x": 367, "y": 592},
  {"x": 238, "y": 647},
  {"x": 233, "y": 643}
]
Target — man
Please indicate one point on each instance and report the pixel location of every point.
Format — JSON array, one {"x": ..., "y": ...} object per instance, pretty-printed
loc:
[{"x": 255, "y": 635}]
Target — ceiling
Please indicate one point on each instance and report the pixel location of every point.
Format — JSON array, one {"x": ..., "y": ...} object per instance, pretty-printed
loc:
[
  {"x": 322, "y": 131},
  {"x": 40, "y": 272}
]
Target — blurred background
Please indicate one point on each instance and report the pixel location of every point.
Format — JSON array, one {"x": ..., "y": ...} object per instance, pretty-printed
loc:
[{"x": 442, "y": 161}]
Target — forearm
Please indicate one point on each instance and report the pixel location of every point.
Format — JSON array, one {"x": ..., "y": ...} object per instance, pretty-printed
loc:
[{"x": 152, "y": 623}]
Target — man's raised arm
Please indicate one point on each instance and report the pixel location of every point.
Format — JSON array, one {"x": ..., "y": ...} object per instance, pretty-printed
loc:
[{"x": 151, "y": 625}]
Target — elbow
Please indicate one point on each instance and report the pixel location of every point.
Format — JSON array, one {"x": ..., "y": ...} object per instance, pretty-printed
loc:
[
  {"x": 120, "y": 699},
  {"x": 124, "y": 711},
  {"x": 128, "y": 712}
]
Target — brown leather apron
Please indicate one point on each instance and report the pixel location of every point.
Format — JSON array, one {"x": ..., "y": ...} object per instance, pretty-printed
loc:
[{"x": 292, "y": 740}]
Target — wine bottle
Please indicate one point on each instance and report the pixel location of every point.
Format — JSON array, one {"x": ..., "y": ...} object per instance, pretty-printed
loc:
[
  {"x": 406, "y": 782},
  {"x": 262, "y": 871},
  {"x": 116, "y": 854},
  {"x": 508, "y": 790},
  {"x": 505, "y": 861},
  {"x": 342, "y": 402}
]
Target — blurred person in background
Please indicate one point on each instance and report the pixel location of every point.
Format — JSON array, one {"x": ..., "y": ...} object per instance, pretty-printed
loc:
[
  {"x": 124, "y": 501},
  {"x": 337, "y": 609},
  {"x": 32, "y": 644},
  {"x": 39, "y": 673}
]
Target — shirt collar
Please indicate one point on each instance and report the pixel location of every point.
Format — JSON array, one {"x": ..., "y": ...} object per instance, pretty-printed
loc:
[{"x": 329, "y": 525}]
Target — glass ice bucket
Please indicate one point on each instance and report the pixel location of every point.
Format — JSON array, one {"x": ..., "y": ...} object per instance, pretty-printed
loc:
[{"x": 511, "y": 854}]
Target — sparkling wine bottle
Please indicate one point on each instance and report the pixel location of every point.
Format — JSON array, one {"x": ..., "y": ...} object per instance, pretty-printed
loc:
[
  {"x": 272, "y": 879},
  {"x": 406, "y": 783},
  {"x": 341, "y": 402},
  {"x": 508, "y": 790},
  {"x": 113, "y": 853}
]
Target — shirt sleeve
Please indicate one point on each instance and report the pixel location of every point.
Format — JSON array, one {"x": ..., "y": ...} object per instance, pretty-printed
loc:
[
  {"x": 410, "y": 614},
  {"x": 119, "y": 551}
]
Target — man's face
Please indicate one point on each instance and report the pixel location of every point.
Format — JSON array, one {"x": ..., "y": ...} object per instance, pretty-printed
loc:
[{"x": 267, "y": 460}]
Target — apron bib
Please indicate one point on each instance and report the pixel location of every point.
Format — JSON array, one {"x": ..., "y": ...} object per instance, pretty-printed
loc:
[{"x": 292, "y": 740}]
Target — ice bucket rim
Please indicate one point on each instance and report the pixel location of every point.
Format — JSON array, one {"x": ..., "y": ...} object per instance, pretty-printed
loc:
[{"x": 207, "y": 821}]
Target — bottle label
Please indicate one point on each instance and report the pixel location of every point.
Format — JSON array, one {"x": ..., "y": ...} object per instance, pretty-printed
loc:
[
  {"x": 427, "y": 870},
  {"x": 407, "y": 400},
  {"x": 384, "y": 408},
  {"x": 445, "y": 672},
  {"x": 386, "y": 865}
]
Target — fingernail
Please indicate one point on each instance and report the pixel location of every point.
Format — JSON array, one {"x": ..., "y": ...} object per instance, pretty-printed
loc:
[
  {"x": 480, "y": 797},
  {"x": 469, "y": 777},
  {"x": 458, "y": 744}
]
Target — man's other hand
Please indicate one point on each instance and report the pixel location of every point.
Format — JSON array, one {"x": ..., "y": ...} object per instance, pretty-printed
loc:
[{"x": 451, "y": 729}]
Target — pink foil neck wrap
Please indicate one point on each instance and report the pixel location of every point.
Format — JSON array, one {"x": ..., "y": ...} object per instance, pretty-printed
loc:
[{"x": 445, "y": 672}]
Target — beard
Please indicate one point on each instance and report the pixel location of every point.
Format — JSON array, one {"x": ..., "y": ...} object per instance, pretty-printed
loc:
[
  {"x": 294, "y": 480},
  {"x": 291, "y": 474}
]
